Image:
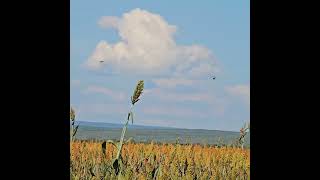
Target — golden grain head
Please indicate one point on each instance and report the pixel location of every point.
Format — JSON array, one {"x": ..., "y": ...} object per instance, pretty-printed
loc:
[
  {"x": 137, "y": 92},
  {"x": 142, "y": 160}
]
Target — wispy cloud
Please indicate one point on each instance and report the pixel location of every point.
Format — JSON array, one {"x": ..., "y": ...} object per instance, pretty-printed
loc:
[
  {"x": 172, "y": 82},
  {"x": 181, "y": 112},
  {"x": 147, "y": 45},
  {"x": 242, "y": 91},
  {"x": 109, "y": 22},
  {"x": 102, "y": 109},
  {"x": 166, "y": 95},
  {"x": 119, "y": 96},
  {"x": 75, "y": 82}
]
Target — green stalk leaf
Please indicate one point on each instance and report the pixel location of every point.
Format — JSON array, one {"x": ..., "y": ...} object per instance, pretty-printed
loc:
[
  {"x": 104, "y": 147},
  {"x": 131, "y": 117},
  {"x": 129, "y": 140},
  {"x": 75, "y": 130},
  {"x": 128, "y": 116}
]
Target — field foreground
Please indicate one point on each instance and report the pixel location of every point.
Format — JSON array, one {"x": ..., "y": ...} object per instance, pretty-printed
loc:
[{"x": 159, "y": 161}]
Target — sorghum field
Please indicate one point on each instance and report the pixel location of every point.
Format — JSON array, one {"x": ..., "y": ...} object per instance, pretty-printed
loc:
[{"x": 158, "y": 161}]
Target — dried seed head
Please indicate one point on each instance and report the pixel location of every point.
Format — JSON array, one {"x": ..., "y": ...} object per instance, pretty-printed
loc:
[
  {"x": 137, "y": 92},
  {"x": 72, "y": 114}
]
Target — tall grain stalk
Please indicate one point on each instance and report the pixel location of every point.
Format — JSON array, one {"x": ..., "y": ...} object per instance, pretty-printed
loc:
[
  {"x": 243, "y": 132},
  {"x": 74, "y": 128},
  {"x": 117, "y": 162},
  {"x": 135, "y": 98}
]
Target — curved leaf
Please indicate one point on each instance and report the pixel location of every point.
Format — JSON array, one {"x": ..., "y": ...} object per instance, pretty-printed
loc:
[
  {"x": 131, "y": 113},
  {"x": 157, "y": 172},
  {"x": 104, "y": 147},
  {"x": 128, "y": 116},
  {"x": 75, "y": 131},
  {"x": 115, "y": 166},
  {"x": 113, "y": 143},
  {"x": 129, "y": 140}
]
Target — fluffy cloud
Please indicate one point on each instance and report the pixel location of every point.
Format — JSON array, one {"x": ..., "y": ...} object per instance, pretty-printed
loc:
[
  {"x": 147, "y": 45},
  {"x": 118, "y": 96},
  {"x": 242, "y": 91}
]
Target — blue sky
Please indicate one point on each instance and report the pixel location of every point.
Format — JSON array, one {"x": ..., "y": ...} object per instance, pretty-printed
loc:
[{"x": 175, "y": 46}]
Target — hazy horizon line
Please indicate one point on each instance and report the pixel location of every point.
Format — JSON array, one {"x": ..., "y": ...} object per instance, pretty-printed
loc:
[{"x": 159, "y": 126}]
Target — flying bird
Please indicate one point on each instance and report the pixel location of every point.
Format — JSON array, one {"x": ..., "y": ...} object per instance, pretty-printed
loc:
[
  {"x": 214, "y": 77},
  {"x": 101, "y": 61}
]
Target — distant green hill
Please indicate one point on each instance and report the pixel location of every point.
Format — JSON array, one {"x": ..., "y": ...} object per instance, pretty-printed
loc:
[{"x": 103, "y": 131}]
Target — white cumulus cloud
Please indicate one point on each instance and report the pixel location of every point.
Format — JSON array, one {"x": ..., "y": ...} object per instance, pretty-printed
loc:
[{"x": 147, "y": 45}]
